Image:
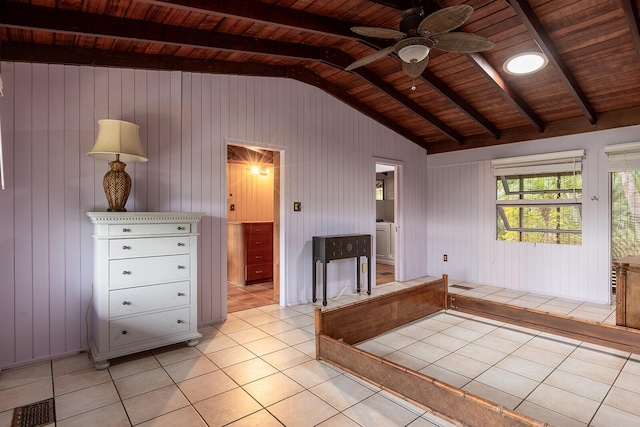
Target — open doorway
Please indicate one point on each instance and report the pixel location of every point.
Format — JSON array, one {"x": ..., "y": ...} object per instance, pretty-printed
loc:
[
  {"x": 386, "y": 223},
  {"x": 253, "y": 218}
]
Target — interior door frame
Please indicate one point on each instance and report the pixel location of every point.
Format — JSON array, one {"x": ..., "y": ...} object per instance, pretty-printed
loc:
[
  {"x": 280, "y": 276},
  {"x": 398, "y": 212}
]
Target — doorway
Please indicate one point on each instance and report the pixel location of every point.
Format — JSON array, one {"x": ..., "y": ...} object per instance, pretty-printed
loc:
[
  {"x": 253, "y": 218},
  {"x": 387, "y": 220}
]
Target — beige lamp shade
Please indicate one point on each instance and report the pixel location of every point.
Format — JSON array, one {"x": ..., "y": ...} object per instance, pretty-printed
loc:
[{"x": 118, "y": 137}]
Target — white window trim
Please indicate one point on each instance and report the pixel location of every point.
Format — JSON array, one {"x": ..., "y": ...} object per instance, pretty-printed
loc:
[
  {"x": 546, "y": 163},
  {"x": 623, "y": 157}
]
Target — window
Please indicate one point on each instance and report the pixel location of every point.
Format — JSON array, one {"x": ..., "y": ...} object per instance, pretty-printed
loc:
[
  {"x": 624, "y": 166},
  {"x": 379, "y": 189},
  {"x": 542, "y": 203}
]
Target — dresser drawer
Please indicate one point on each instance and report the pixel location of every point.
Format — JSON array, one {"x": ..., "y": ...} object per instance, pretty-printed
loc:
[
  {"x": 148, "y": 229},
  {"x": 257, "y": 242},
  {"x": 262, "y": 256},
  {"x": 149, "y": 326},
  {"x": 129, "y": 301},
  {"x": 142, "y": 271},
  {"x": 258, "y": 229},
  {"x": 259, "y": 272},
  {"x": 152, "y": 246}
]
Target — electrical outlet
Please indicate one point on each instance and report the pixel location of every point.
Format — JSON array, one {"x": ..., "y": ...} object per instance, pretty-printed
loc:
[
  {"x": 444, "y": 258},
  {"x": 297, "y": 206},
  {"x": 232, "y": 207}
]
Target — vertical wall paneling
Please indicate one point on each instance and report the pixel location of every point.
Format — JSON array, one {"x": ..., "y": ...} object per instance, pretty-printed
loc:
[
  {"x": 152, "y": 148},
  {"x": 8, "y": 250},
  {"x": 23, "y": 223},
  {"x": 139, "y": 172},
  {"x": 174, "y": 171},
  {"x": 89, "y": 174},
  {"x": 572, "y": 271},
  {"x": 205, "y": 269},
  {"x": 55, "y": 202},
  {"x": 185, "y": 143},
  {"x": 101, "y": 108},
  {"x": 72, "y": 219},
  {"x": 326, "y": 150},
  {"x": 41, "y": 173}
]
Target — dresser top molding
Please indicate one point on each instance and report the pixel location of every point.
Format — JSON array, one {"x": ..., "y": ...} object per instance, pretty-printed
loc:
[{"x": 146, "y": 217}]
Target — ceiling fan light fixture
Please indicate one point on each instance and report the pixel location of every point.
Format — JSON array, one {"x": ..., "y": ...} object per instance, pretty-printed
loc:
[
  {"x": 415, "y": 52},
  {"x": 525, "y": 63}
]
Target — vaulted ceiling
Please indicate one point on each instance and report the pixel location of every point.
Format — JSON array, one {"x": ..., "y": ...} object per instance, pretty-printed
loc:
[{"x": 461, "y": 101}]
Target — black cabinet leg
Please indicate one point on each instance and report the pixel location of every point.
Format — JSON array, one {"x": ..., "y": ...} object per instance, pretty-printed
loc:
[{"x": 313, "y": 282}]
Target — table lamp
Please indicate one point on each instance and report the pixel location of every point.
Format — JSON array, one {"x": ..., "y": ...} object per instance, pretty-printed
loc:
[{"x": 117, "y": 140}]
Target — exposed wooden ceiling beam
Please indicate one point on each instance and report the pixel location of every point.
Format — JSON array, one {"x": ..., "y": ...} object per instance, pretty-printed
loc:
[
  {"x": 341, "y": 59},
  {"x": 81, "y": 23},
  {"x": 509, "y": 94},
  {"x": 305, "y": 75},
  {"x": 23, "y": 52},
  {"x": 304, "y": 21},
  {"x": 631, "y": 13},
  {"x": 266, "y": 13},
  {"x": 447, "y": 93},
  {"x": 540, "y": 35}
]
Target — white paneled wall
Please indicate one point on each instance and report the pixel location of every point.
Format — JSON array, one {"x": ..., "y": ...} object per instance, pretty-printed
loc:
[
  {"x": 461, "y": 220},
  {"x": 49, "y": 122}
]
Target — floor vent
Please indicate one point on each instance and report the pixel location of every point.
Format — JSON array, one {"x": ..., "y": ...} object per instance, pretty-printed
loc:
[
  {"x": 386, "y": 273},
  {"x": 35, "y": 414},
  {"x": 466, "y": 288}
]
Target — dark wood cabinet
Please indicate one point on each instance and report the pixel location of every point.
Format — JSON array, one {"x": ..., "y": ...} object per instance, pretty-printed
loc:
[
  {"x": 628, "y": 292},
  {"x": 249, "y": 252},
  {"x": 329, "y": 248}
]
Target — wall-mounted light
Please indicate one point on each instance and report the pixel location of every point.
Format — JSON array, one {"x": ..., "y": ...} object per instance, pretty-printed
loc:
[
  {"x": 260, "y": 170},
  {"x": 525, "y": 63}
]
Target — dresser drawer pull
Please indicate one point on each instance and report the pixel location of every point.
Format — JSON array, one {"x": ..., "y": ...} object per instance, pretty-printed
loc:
[
  {"x": 126, "y": 272},
  {"x": 125, "y": 247},
  {"x": 181, "y": 244},
  {"x": 126, "y": 302},
  {"x": 126, "y": 230},
  {"x": 181, "y": 228},
  {"x": 124, "y": 332},
  {"x": 258, "y": 256},
  {"x": 181, "y": 294},
  {"x": 258, "y": 271},
  {"x": 180, "y": 321},
  {"x": 181, "y": 267},
  {"x": 258, "y": 243}
]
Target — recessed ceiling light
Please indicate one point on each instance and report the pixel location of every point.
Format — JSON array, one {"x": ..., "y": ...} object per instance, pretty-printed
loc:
[{"x": 525, "y": 63}]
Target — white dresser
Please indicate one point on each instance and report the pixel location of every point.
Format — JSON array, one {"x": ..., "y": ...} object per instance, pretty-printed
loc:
[{"x": 145, "y": 282}]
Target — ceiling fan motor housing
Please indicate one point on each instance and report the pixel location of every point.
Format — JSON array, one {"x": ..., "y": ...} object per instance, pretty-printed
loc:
[{"x": 411, "y": 18}]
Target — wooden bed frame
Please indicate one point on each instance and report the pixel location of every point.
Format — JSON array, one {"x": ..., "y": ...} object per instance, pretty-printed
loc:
[{"x": 337, "y": 330}]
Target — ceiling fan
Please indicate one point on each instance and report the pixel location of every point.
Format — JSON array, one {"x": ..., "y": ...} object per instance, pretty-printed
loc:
[{"x": 418, "y": 35}]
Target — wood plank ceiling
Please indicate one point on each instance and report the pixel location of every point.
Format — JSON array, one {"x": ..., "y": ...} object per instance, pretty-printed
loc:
[{"x": 462, "y": 101}]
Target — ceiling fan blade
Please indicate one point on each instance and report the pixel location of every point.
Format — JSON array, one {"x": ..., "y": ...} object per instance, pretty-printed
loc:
[
  {"x": 415, "y": 69},
  {"x": 381, "y": 33},
  {"x": 370, "y": 58},
  {"x": 445, "y": 20},
  {"x": 462, "y": 42}
]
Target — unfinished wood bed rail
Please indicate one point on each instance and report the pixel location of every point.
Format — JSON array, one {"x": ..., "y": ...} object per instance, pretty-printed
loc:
[
  {"x": 612, "y": 336},
  {"x": 362, "y": 320},
  {"x": 338, "y": 329}
]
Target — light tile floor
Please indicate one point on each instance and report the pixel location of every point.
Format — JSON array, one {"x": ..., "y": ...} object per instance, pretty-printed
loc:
[{"x": 258, "y": 368}]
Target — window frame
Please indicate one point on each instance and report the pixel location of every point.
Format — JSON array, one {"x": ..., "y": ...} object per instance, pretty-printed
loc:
[{"x": 522, "y": 203}]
